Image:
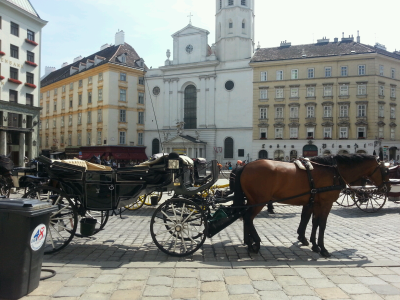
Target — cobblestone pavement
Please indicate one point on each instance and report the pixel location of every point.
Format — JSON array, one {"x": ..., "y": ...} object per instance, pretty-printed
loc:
[{"x": 122, "y": 262}]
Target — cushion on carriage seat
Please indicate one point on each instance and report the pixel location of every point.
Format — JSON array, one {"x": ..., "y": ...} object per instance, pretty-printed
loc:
[{"x": 87, "y": 165}]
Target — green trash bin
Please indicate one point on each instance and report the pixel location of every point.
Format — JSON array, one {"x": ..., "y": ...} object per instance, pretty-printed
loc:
[{"x": 23, "y": 229}]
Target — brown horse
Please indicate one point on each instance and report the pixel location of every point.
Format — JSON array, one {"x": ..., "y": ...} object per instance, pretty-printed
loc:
[{"x": 265, "y": 180}]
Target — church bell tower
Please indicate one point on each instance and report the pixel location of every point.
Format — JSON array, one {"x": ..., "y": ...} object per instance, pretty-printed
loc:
[{"x": 234, "y": 34}]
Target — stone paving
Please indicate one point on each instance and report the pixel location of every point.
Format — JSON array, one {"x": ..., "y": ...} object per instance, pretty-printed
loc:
[{"x": 122, "y": 262}]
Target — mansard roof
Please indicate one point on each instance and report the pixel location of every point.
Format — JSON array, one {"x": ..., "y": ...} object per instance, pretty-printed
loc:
[
  {"x": 317, "y": 50},
  {"x": 110, "y": 55},
  {"x": 25, "y": 5}
]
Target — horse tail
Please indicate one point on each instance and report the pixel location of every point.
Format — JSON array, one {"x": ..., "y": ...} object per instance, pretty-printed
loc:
[{"x": 234, "y": 185}]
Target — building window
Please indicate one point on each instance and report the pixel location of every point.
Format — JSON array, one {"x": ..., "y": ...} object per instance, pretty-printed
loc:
[
  {"x": 264, "y": 76},
  {"x": 122, "y": 115},
  {"x": 29, "y": 99},
  {"x": 90, "y": 80},
  {"x": 230, "y": 2},
  {"x": 381, "y": 111},
  {"x": 55, "y": 106},
  {"x": 122, "y": 76},
  {"x": 361, "y": 133},
  {"x": 263, "y": 133},
  {"x": 243, "y": 2},
  {"x": 294, "y": 112},
  {"x": 328, "y": 90},
  {"x": 70, "y": 102},
  {"x": 29, "y": 77},
  {"x": 327, "y": 132},
  {"x": 30, "y": 56},
  {"x": 361, "y": 110},
  {"x": 14, "y": 29},
  {"x": 14, "y": 51},
  {"x": 230, "y": 26},
  {"x": 71, "y": 86},
  {"x": 392, "y": 134},
  {"x": 343, "y": 71},
  {"x": 361, "y": 70},
  {"x": 100, "y": 91},
  {"x": 343, "y": 133},
  {"x": 140, "y": 138},
  {"x": 380, "y": 70},
  {"x": 141, "y": 80},
  {"x": 393, "y": 112},
  {"x": 99, "y": 115},
  {"x": 122, "y": 95},
  {"x": 310, "y": 112},
  {"x": 243, "y": 25},
  {"x": 47, "y": 108},
  {"x": 62, "y": 121},
  {"x": 141, "y": 98},
  {"x": 328, "y": 111},
  {"x": 279, "y": 133},
  {"x": 89, "y": 97},
  {"x": 89, "y": 117},
  {"x": 294, "y": 92},
  {"x": 141, "y": 117},
  {"x": 278, "y": 112},
  {"x": 122, "y": 137},
  {"x": 190, "y": 107},
  {"x": 279, "y": 93},
  {"x": 362, "y": 89},
  {"x": 63, "y": 88},
  {"x": 62, "y": 139},
  {"x": 263, "y": 113},
  {"x": 80, "y": 83},
  {"x": 47, "y": 141},
  {"x": 79, "y": 118},
  {"x": 263, "y": 94},
  {"x": 328, "y": 72},
  {"x": 70, "y": 120},
  {"x": 295, "y": 74},
  {"x": 381, "y": 90},
  {"x": 279, "y": 75},
  {"x": 344, "y": 90},
  {"x": 393, "y": 92},
  {"x": 88, "y": 138},
  {"x": 79, "y": 139},
  {"x": 55, "y": 92},
  {"x": 310, "y": 132},
  {"x": 47, "y": 124},
  {"x": 294, "y": 132},
  {"x": 54, "y": 123},
  {"x": 30, "y": 35},
  {"x": 48, "y": 93},
  {"x": 100, "y": 76},
  {"x": 310, "y": 72},
  {"x": 63, "y": 104},
  {"x": 80, "y": 99},
  {"x": 393, "y": 73},
  {"x": 13, "y": 73},
  {"x": 311, "y": 91},
  {"x": 99, "y": 138},
  {"x": 228, "y": 148}
]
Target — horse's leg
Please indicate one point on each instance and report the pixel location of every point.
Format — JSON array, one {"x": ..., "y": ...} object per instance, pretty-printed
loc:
[
  {"x": 253, "y": 231},
  {"x": 247, "y": 238},
  {"x": 323, "y": 218},
  {"x": 305, "y": 218},
  {"x": 315, "y": 223}
]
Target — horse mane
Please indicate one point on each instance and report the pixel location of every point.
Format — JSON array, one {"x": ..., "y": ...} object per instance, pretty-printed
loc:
[{"x": 342, "y": 159}]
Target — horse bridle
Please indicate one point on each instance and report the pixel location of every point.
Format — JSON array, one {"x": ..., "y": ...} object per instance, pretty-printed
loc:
[{"x": 384, "y": 172}]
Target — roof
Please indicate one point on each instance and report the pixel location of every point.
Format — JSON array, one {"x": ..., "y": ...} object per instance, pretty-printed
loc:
[
  {"x": 109, "y": 54},
  {"x": 192, "y": 139},
  {"x": 25, "y": 5},
  {"x": 190, "y": 29},
  {"x": 317, "y": 50}
]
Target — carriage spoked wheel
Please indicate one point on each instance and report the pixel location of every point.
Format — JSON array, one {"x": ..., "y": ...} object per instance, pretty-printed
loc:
[
  {"x": 147, "y": 201},
  {"x": 370, "y": 200},
  {"x": 178, "y": 227},
  {"x": 63, "y": 222},
  {"x": 346, "y": 198},
  {"x": 137, "y": 204},
  {"x": 5, "y": 186}
]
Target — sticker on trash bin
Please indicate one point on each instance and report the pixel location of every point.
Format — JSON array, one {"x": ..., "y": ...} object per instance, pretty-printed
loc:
[{"x": 38, "y": 237}]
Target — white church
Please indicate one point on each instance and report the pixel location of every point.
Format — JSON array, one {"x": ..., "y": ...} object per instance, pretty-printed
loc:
[{"x": 202, "y": 96}]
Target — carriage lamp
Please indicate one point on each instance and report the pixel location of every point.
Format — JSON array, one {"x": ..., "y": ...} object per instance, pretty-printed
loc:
[{"x": 173, "y": 164}]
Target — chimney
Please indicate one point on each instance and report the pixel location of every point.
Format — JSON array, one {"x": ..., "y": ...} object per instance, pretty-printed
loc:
[
  {"x": 335, "y": 40},
  {"x": 358, "y": 36},
  {"x": 48, "y": 70},
  {"x": 78, "y": 58},
  {"x": 104, "y": 46},
  {"x": 119, "y": 38},
  {"x": 64, "y": 65}
]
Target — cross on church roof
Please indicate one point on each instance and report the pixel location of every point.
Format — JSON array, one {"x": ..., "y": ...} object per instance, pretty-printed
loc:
[{"x": 190, "y": 18}]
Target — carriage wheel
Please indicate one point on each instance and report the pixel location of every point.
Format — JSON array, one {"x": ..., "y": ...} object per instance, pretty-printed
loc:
[
  {"x": 138, "y": 204},
  {"x": 178, "y": 227},
  {"x": 147, "y": 201},
  {"x": 370, "y": 202},
  {"x": 5, "y": 186},
  {"x": 63, "y": 222},
  {"x": 346, "y": 198}
]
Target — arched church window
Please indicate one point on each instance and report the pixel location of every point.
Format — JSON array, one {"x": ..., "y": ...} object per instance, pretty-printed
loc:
[
  {"x": 190, "y": 107},
  {"x": 243, "y": 24},
  {"x": 263, "y": 154},
  {"x": 220, "y": 4},
  {"x": 230, "y": 2},
  {"x": 230, "y": 25},
  {"x": 228, "y": 149},
  {"x": 155, "y": 147}
]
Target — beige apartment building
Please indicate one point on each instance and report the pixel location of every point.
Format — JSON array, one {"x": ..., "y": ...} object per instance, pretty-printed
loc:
[
  {"x": 95, "y": 101},
  {"x": 325, "y": 98}
]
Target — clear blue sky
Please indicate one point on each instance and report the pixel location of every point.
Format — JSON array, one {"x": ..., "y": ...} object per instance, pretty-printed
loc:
[{"x": 80, "y": 27}]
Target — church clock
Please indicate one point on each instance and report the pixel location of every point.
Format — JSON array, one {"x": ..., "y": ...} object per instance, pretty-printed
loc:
[{"x": 189, "y": 48}]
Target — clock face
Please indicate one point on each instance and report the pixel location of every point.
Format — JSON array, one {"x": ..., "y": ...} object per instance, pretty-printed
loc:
[{"x": 189, "y": 48}]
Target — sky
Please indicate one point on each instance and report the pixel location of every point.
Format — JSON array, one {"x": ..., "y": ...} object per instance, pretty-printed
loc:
[{"x": 80, "y": 27}]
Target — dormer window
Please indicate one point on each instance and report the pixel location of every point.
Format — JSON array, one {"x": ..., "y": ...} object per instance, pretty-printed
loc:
[
  {"x": 230, "y": 2},
  {"x": 122, "y": 58}
]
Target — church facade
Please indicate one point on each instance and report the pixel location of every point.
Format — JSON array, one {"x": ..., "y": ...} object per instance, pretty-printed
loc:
[{"x": 202, "y": 96}]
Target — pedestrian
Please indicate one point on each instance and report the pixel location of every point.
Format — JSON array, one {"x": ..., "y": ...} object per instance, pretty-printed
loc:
[{"x": 226, "y": 166}]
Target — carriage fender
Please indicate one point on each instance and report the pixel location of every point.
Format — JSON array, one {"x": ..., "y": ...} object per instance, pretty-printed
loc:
[{"x": 25, "y": 180}]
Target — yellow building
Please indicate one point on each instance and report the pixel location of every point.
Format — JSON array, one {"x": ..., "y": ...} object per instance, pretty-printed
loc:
[
  {"x": 96, "y": 100},
  {"x": 325, "y": 98}
]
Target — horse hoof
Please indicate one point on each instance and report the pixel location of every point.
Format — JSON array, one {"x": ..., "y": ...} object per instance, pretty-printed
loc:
[
  {"x": 270, "y": 211},
  {"x": 325, "y": 253},
  {"x": 316, "y": 249},
  {"x": 253, "y": 249},
  {"x": 303, "y": 241}
]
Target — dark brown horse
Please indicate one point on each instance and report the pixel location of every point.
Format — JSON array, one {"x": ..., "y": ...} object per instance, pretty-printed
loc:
[{"x": 265, "y": 180}]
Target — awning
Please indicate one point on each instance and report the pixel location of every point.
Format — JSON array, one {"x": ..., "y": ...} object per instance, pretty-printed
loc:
[
  {"x": 138, "y": 156},
  {"x": 89, "y": 155},
  {"x": 121, "y": 156}
]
